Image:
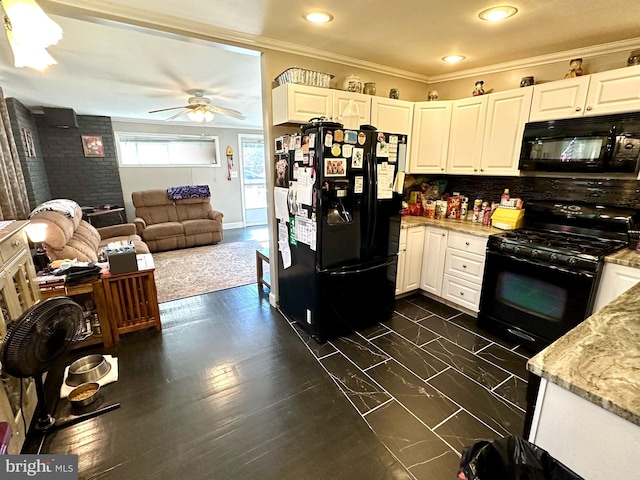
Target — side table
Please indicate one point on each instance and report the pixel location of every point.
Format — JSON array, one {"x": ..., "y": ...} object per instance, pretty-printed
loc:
[
  {"x": 99, "y": 212},
  {"x": 95, "y": 290},
  {"x": 132, "y": 302}
]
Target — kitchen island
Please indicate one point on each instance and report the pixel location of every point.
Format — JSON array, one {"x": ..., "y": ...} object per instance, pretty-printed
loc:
[{"x": 588, "y": 409}]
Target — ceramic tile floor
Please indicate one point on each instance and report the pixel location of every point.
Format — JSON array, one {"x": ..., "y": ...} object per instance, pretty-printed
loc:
[{"x": 429, "y": 382}]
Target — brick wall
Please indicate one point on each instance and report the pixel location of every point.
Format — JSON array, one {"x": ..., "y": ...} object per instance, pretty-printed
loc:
[
  {"x": 33, "y": 168},
  {"x": 90, "y": 181}
]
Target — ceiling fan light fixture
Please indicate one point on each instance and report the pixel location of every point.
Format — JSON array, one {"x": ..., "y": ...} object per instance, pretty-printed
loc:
[
  {"x": 495, "y": 14},
  {"x": 200, "y": 115},
  {"x": 31, "y": 27},
  {"x": 318, "y": 17},
  {"x": 26, "y": 55},
  {"x": 453, "y": 58}
]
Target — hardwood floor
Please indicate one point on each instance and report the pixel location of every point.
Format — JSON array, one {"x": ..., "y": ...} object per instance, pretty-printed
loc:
[{"x": 230, "y": 390}]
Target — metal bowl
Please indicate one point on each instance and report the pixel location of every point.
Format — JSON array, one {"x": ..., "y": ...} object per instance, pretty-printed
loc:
[
  {"x": 87, "y": 369},
  {"x": 84, "y": 394}
]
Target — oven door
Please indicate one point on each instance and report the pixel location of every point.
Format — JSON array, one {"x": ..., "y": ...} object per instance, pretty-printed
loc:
[{"x": 533, "y": 302}]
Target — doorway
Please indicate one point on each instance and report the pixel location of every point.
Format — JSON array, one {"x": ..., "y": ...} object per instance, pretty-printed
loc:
[{"x": 253, "y": 179}]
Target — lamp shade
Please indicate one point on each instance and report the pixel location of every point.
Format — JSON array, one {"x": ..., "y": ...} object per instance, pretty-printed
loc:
[
  {"x": 31, "y": 27},
  {"x": 37, "y": 232}
]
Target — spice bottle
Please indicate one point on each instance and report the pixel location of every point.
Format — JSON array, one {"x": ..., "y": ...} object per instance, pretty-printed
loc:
[{"x": 477, "y": 210}]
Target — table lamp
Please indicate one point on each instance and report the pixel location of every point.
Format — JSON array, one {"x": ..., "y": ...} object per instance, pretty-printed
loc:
[{"x": 37, "y": 233}]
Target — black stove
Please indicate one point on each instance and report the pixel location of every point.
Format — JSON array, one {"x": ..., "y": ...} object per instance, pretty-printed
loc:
[
  {"x": 556, "y": 247},
  {"x": 578, "y": 236},
  {"x": 540, "y": 280}
]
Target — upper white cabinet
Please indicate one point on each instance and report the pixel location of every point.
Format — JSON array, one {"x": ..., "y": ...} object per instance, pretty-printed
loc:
[
  {"x": 390, "y": 115},
  {"x": 299, "y": 103},
  {"x": 467, "y": 134},
  {"x": 615, "y": 91},
  {"x": 341, "y": 101},
  {"x": 507, "y": 114},
  {"x": 430, "y": 137}
]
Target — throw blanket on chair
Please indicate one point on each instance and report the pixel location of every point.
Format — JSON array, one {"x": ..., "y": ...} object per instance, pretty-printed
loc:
[
  {"x": 188, "y": 191},
  {"x": 67, "y": 207}
]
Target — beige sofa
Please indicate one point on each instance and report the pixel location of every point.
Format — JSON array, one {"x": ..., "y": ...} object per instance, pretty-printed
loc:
[
  {"x": 71, "y": 237},
  {"x": 166, "y": 224}
]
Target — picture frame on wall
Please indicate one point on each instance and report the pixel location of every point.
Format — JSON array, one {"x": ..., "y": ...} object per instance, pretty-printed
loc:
[
  {"x": 92, "y": 145},
  {"x": 28, "y": 141}
]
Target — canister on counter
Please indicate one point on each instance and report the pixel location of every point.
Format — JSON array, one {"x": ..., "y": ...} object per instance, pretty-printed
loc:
[
  {"x": 486, "y": 209},
  {"x": 441, "y": 209},
  {"x": 477, "y": 210},
  {"x": 463, "y": 208}
]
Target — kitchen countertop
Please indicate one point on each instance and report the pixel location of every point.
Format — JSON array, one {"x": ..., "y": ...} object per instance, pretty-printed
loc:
[
  {"x": 464, "y": 226},
  {"x": 626, "y": 257},
  {"x": 599, "y": 360}
]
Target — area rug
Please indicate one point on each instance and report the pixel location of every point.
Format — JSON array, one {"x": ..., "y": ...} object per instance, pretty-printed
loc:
[{"x": 193, "y": 271}]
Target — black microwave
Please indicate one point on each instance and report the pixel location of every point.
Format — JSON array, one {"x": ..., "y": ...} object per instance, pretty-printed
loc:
[{"x": 607, "y": 144}]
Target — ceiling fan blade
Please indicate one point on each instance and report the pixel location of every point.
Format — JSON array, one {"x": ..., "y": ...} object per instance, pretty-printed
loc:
[
  {"x": 179, "y": 114},
  {"x": 165, "y": 109},
  {"x": 229, "y": 112}
]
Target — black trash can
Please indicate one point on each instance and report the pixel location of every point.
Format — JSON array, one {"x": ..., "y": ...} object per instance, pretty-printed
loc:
[{"x": 511, "y": 458}]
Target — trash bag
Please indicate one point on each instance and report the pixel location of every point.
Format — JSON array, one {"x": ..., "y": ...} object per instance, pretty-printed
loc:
[{"x": 511, "y": 458}]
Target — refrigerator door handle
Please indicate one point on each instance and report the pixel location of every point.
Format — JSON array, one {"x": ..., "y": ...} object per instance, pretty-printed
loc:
[{"x": 338, "y": 272}]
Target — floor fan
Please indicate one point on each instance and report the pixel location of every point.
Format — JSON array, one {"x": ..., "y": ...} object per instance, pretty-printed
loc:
[{"x": 35, "y": 342}]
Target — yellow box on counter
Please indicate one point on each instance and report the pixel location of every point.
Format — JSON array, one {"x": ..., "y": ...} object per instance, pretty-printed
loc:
[{"x": 507, "y": 218}]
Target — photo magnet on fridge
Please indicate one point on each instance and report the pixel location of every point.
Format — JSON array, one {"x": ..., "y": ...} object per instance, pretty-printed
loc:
[
  {"x": 350, "y": 137},
  {"x": 335, "y": 167},
  {"x": 357, "y": 156}
]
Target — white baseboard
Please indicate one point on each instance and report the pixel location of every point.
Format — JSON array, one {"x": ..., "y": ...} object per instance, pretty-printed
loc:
[{"x": 231, "y": 226}]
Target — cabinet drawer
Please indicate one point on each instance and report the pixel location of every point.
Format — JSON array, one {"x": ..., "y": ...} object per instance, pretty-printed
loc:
[
  {"x": 461, "y": 292},
  {"x": 12, "y": 246},
  {"x": 468, "y": 266},
  {"x": 467, "y": 243}
]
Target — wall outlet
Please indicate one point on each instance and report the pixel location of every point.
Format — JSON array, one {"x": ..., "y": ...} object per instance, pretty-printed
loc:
[{"x": 234, "y": 174}]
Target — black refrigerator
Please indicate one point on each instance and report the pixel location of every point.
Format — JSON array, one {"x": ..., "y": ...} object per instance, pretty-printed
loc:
[{"x": 342, "y": 276}]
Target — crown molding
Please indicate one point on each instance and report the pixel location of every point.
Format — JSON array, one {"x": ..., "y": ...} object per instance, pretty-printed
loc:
[
  {"x": 595, "y": 50},
  {"x": 187, "y": 124},
  {"x": 101, "y": 11}
]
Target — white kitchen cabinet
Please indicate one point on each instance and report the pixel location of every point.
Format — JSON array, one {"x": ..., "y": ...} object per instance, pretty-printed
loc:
[
  {"x": 614, "y": 91},
  {"x": 466, "y": 137},
  {"x": 430, "y": 137},
  {"x": 341, "y": 101},
  {"x": 435, "y": 247},
  {"x": 390, "y": 115},
  {"x": 464, "y": 269},
  {"x": 402, "y": 256},
  {"x": 507, "y": 114},
  {"x": 298, "y": 103},
  {"x": 412, "y": 262},
  {"x": 615, "y": 280}
]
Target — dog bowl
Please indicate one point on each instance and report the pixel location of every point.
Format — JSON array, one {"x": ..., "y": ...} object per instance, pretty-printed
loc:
[
  {"x": 87, "y": 369},
  {"x": 84, "y": 394}
]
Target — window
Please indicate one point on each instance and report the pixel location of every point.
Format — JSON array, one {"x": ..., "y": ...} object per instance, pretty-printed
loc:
[
  {"x": 253, "y": 171},
  {"x": 157, "y": 149}
]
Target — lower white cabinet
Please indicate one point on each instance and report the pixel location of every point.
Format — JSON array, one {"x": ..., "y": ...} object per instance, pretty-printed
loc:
[
  {"x": 615, "y": 280},
  {"x": 410, "y": 259},
  {"x": 435, "y": 247}
]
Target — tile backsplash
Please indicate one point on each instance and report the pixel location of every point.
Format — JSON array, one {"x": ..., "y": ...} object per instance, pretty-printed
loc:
[{"x": 613, "y": 192}]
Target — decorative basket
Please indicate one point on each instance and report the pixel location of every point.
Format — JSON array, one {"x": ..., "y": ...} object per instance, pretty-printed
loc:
[{"x": 302, "y": 76}]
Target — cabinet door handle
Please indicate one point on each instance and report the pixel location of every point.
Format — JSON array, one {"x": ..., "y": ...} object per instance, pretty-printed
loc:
[
  {"x": 462, "y": 294},
  {"x": 464, "y": 266},
  {"x": 443, "y": 234},
  {"x": 16, "y": 243},
  {"x": 578, "y": 109},
  {"x": 466, "y": 243},
  {"x": 475, "y": 169},
  {"x": 589, "y": 109},
  {"x": 482, "y": 169}
]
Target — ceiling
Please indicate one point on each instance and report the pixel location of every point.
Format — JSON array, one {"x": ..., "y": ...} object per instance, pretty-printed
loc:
[{"x": 107, "y": 68}]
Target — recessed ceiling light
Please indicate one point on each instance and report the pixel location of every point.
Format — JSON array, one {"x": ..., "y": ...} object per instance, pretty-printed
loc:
[
  {"x": 453, "y": 58},
  {"x": 495, "y": 14},
  {"x": 318, "y": 17}
]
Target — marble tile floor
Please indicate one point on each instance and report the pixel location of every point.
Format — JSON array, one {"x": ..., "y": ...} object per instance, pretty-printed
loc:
[{"x": 429, "y": 382}]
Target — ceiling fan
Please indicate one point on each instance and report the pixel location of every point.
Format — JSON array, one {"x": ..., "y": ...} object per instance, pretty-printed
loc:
[{"x": 200, "y": 109}]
